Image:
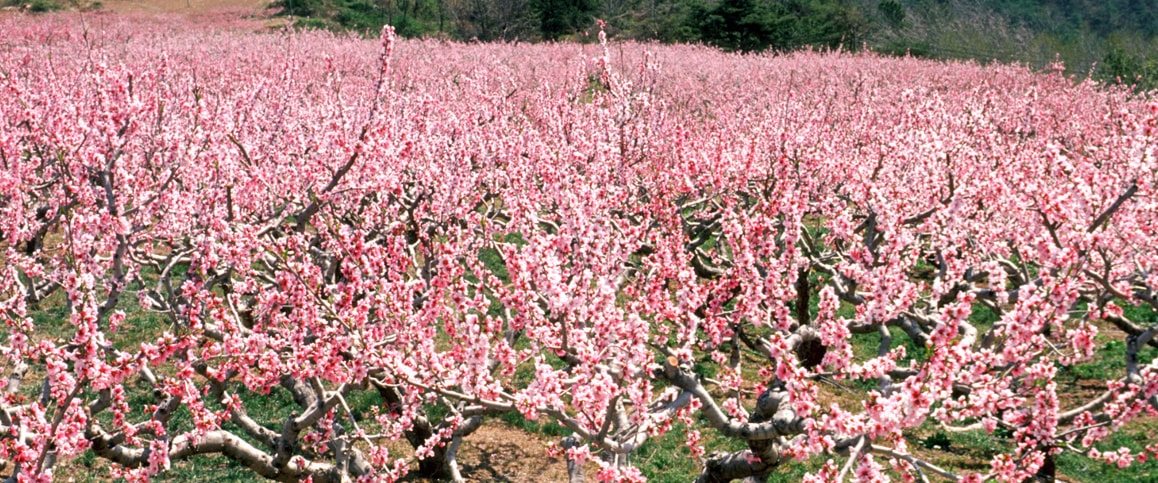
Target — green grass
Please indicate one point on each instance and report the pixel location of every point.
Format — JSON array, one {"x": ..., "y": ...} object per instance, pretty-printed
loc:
[
  {"x": 544, "y": 425},
  {"x": 1142, "y": 314},
  {"x": 209, "y": 468},
  {"x": 1109, "y": 362},
  {"x": 1084, "y": 469},
  {"x": 667, "y": 458},
  {"x": 977, "y": 446},
  {"x": 982, "y": 318},
  {"x": 794, "y": 471}
]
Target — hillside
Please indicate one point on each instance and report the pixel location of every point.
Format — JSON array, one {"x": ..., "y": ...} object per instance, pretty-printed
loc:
[{"x": 1113, "y": 40}]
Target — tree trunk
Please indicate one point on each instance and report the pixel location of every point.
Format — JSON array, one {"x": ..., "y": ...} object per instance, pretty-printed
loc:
[{"x": 574, "y": 470}]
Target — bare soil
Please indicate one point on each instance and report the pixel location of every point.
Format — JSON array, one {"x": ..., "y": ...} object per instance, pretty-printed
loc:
[
  {"x": 183, "y": 6},
  {"x": 499, "y": 453}
]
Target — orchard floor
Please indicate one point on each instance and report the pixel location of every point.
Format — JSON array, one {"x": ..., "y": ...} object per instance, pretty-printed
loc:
[
  {"x": 503, "y": 454},
  {"x": 183, "y": 6},
  {"x": 494, "y": 453}
]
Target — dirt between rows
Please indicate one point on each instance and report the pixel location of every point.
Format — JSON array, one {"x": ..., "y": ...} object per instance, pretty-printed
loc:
[
  {"x": 498, "y": 453},
  {"x": 183, "y": 6}
]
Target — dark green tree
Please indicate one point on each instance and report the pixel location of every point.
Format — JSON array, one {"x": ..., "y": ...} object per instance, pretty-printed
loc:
[
  {"x": 558, "y": 18},
  {"x": 1120, "y": 67},
  {"x": 742, "y": 25},
  {"x": 756, "y": 25},
  {"x": 893, "y": 12}
]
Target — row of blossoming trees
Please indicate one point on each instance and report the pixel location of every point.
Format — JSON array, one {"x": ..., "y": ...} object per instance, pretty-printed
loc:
[{"x": 614, "y": 239}]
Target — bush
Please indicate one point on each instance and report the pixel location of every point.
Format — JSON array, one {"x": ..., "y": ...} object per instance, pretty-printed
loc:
[
  {"x": 40, "y": 6},
  {"x": 1121, "y": 67}
]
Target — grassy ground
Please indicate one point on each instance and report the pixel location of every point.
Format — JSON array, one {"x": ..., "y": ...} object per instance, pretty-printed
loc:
[{"x": 510, "y": 448}]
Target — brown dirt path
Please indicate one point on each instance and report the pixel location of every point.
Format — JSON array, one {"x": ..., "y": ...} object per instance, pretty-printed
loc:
[{"x": 183, "y": 6}]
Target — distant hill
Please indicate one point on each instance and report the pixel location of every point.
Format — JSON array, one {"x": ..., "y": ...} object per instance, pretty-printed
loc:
[
  {"x": 1112, "y": 40},
  {"x": 1102, "y": 17}
]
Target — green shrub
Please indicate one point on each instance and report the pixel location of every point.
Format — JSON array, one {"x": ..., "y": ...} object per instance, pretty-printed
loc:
[
  {"x": 755, "y": 25},
  {"x": 1120, "y": 67},
  {"x": 40, "y": 6}
]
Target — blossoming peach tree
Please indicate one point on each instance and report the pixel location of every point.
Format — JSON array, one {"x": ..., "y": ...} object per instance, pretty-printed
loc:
[{"x": 615, "y": 239}]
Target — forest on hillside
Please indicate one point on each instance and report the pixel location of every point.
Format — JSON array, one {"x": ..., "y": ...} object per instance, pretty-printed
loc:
[
  {"x": 1110, "y": 39},
  {"x": 1114, "y": 41}
]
